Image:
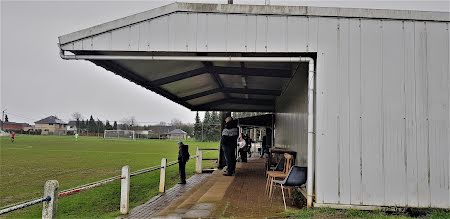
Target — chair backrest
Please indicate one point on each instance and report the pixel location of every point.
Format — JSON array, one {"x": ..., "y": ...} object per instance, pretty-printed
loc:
[
  {"x": 280, "y": 165},
  {"x": 288, "y": 162},
  {"x": 296, "y": 176}
]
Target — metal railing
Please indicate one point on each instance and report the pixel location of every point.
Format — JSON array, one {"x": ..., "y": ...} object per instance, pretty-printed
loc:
[{"x": 51, "y": 193}]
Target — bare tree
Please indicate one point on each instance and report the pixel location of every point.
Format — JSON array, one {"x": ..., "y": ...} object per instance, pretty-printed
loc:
[
  {"x": 129, "y": 122},
  {"x": 77, "y": 116},
  {"x": 176, "y": 122}
]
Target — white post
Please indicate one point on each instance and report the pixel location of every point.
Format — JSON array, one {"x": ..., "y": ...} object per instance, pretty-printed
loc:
[
  {"x": 162, "y": 176},
  {"x": 49, "y": 207},
  {"x": 198, "y": 161},
  {"x": 260, "y": 134},
  {"x": 125, "y": 190}
]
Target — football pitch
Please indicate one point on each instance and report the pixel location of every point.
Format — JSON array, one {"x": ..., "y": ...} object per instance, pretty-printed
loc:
[{"x": 30, "y": 161}]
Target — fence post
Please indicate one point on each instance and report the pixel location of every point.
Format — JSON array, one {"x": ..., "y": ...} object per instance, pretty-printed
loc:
[
  {"x": 162, "y": 177},
  {"x": 125, "y": 190},
  {"x": 198, "y": 161},
  {"x": 49, "y": 207}
]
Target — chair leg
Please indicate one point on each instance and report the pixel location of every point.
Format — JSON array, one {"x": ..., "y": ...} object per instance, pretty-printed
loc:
[
  {"x": 284, "y": 199},
  {"x": 271, "y": 188},
  {"x": 267, "y": 185}
]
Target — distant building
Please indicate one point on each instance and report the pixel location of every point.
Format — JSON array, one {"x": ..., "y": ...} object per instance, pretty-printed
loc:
[
  {"x": 51, "y": 126},
  {"x": 71, "y": 126},
  {"x": 160, "y": 131},
  {"x": 177, "y": 134},
  {"x": 15, "y": 127}
]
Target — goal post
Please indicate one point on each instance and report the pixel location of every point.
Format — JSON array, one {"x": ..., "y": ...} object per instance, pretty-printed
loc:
[{"x": 119, "y": 134}]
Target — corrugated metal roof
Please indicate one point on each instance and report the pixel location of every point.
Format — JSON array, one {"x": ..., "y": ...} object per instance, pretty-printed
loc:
[
  {"x": 257, "y": 9},
  {"x": 191, "y": 29}
]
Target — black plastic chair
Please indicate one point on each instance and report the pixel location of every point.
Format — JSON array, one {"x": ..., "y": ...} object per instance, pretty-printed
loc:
[{"x": 296, "y": 178}]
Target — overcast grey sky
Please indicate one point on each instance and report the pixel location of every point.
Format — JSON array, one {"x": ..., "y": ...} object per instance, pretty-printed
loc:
[{"x": 36, "y": 82}]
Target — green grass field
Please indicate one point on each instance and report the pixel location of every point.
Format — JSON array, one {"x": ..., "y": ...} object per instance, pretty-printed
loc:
[{"x": 30, "y": 161}]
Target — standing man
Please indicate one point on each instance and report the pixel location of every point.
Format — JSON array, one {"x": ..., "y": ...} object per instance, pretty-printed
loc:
[
  {"x": 228, "y": 144},
  {"x": 76, "y": 136},
  {"x": 183, "y": 157},
  {"x": 13, "y": 136},
  {"x": 263, "y": 146}
]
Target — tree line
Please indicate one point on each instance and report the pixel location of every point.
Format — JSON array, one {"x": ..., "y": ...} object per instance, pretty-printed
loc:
[
  {"x": 92, "y": 125},
  {"x": 208, "y": 129}
]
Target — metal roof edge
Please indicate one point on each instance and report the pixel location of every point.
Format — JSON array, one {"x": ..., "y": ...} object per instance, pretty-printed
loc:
[
  {"x": 111, "y": 25},
  {"x": 257, "y": 9},
  {"x": 317, "y": 11}
]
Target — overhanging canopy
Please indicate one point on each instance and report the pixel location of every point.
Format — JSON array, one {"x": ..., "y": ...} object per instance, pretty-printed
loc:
[{"x": 186, "y": 29}]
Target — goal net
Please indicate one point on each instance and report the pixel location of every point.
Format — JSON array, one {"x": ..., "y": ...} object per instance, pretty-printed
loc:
[{"x": 119, "y": 134}]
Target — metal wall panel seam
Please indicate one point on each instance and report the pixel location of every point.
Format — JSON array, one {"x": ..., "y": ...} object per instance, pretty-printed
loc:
[
  {"x": 246, "y": 33},
  {"x": 360, "y": 117},
  {"x": 206, "y": 32},
  {"x": 307, "y": 33},
  {"x": 448, "y": 127},
  {"x": 404, "y": 113},
  {"x": 168, "y": 31},
  {"x": 139, "y": 36},
  {"x": 382, "y": 117},
  {"x": 266, "y": 34},
  {"x": 427, "y": 113},
  {"x": 345, "y": 110},
  {"x": 226, "y": 32},
  {"x": 415, "y": 110},
  {"x": 287, "y": 35},
  {"x": 348, "y": 107},
  {"x": 338, "y": 140}
]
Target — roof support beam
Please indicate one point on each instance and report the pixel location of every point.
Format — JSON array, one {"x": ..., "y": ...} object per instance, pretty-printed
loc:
[
  {"x": 128, "y": 74},
  {"x": 233, "y": 91},
  {"x": 258, "y": 102},
  {"x": 244, "y": 78},
  {"x": 253, "y": 91},
  {"x": 263, "y": 72},
  {"x": 201, "y": 94},
  {"x": 280, "y": 73},
  {"x": 215, "y": 76},
  {"x": 180, "y": 76}
]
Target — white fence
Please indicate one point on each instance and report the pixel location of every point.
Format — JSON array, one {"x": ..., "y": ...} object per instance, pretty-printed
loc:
[{"x": 51, "y": 194}]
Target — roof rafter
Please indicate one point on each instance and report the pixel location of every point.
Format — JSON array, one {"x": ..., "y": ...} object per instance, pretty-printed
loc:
[
  {"x": 131, "y": 76},
  {"x": 215, "y": 70},
  {"x": 180, "y": 76},
  {"x": 234, "y": 91},
  {"x": 235, "y": 101},
  {"x": 263, "y": 72},
  {"x": 216, "y": 77}
]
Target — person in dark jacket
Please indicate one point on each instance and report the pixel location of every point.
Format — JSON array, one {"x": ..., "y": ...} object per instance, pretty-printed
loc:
[
  {"x": 228, "y": 143},
  {"x": 183, "y": 157},
  {"x": 263, "y": 146}
]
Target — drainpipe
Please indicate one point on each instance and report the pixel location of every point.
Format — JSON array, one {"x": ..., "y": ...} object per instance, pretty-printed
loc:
[
  {"x": 183, "y": 58},
  {"x": 311, "y": 133},
  {"x": 311, "y": 82}
]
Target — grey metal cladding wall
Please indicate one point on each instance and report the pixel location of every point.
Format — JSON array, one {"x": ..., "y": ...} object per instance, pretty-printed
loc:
[
  {"x": 291, "y": 124},
  {"x": 383, "y": 113},
  {"x": 207, "y": 32}
]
